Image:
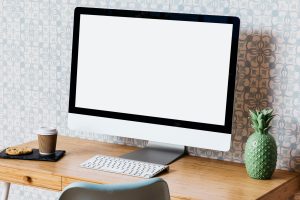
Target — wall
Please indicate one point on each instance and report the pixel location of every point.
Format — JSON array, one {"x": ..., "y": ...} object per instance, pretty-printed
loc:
[{"x": 35, "y": 55}]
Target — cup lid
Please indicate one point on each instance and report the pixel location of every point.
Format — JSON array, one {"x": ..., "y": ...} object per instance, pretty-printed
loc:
[{"x": 46, "y": 131}]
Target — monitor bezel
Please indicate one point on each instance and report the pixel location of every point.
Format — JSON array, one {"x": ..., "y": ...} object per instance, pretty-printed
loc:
[{"x": 226, "y": 128}]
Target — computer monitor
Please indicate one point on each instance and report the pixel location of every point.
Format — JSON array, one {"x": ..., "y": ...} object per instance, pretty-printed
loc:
[{"x": 162, "y": 77}]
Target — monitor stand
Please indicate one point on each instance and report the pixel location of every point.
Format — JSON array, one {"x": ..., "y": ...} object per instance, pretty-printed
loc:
[{"x": 156, "y": 152}]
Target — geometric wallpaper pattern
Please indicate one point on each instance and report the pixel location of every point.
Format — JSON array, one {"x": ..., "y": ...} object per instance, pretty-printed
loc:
[{"x": 35, "y": 61}]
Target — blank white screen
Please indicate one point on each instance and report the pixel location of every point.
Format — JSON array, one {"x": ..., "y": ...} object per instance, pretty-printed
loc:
[{"x": 160, "y": 68}]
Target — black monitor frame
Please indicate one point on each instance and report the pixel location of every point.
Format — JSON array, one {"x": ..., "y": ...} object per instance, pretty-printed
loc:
[{"x": 226, "y": 128}]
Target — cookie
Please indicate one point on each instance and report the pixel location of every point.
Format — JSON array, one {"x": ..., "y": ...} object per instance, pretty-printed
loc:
[
  {"x": 13, "y": 151},
  {"x": 26, "y": 150}
]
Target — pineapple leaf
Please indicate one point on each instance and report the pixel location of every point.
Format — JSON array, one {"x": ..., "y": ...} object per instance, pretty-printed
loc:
[
  {"x": 253, "y": 115},
  {"x": 261, "y": 119},
  {"x": 265, "y": 112},
  {"x": 255, "y": 128},
  {"x": 269, "y": 119},
  {"x": 267, "y": 129}
]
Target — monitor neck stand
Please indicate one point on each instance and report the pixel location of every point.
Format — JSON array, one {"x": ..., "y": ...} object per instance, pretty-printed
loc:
[{"x": 156, "y": 152}]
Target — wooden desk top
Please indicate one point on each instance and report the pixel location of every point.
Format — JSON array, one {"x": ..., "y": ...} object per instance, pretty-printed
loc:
[{"x": 188, "y": 178}]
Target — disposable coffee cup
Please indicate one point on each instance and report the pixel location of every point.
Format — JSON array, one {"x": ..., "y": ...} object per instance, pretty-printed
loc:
[{"x": 47, "y": 138}]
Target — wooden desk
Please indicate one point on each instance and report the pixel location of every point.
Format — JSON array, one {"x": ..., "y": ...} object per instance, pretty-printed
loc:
[{"x": 188, "y": 178}]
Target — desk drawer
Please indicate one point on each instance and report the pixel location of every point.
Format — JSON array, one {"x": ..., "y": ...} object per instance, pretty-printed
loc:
[{"x": 31, "y": 178}]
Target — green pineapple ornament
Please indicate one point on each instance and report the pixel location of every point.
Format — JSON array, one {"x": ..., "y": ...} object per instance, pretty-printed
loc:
[{"x": 261, "y": 149}]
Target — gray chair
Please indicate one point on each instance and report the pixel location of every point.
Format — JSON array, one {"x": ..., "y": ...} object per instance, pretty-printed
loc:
[{"x": 150, "y": 189}]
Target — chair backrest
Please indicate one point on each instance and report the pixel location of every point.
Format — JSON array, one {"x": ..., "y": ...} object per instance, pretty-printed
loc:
[{"x": 150, "y": 189}]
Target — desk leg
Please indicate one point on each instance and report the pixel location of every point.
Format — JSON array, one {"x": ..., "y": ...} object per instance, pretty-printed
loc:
[{"x": 5, "y": 191}]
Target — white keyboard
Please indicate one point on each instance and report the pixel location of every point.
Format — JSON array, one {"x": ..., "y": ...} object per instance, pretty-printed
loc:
[{"x": 124, "y": 166}]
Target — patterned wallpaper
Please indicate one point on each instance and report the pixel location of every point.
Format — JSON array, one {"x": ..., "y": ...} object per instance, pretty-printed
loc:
[{"x": 35, "y": 55}]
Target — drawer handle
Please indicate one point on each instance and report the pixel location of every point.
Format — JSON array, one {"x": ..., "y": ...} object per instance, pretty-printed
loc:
[{"x": 27, "y": 179}]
